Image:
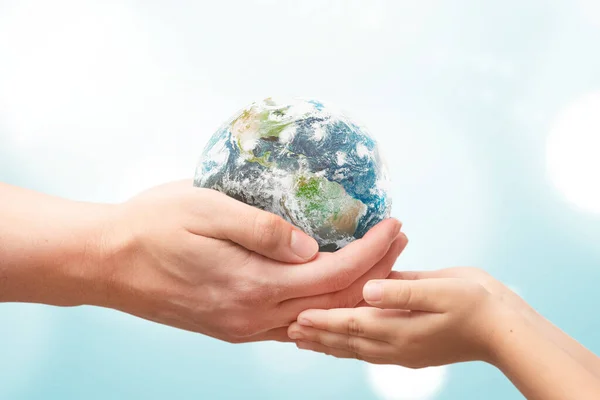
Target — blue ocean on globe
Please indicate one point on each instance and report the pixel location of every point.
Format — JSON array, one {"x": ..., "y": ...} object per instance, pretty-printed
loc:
[{"x": 303, "y": 161}]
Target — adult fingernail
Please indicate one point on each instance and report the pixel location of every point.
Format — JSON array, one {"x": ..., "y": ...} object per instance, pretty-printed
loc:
[
  {"x": 304, "y": 321},
  {"x": 373, "y": 291},
  {"x": 303, "y": 245},
  {"x": 295, "y": 335}
]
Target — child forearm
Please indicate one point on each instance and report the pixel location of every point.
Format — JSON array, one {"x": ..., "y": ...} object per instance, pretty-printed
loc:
[
  {"x": 551, "y": 332},
  {"x": 538, "y": 366}
]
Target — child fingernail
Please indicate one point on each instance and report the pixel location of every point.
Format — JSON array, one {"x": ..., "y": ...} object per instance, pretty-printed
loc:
[{"x": 373, "y": 291}]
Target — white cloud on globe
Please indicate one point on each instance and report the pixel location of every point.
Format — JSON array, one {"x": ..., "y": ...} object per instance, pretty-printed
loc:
[
  {"x": 392, "y": 382},
  {"x": 572, "y": 149}
]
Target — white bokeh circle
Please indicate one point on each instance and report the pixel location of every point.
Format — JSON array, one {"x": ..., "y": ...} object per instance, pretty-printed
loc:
[
  {"x": 284, "y": 358},
  {"x": 83, "y": 107},
  {"x": 590, "y": 9},
  {"x": 573, "y": 152},
  {"x": 392, "y": 382}
]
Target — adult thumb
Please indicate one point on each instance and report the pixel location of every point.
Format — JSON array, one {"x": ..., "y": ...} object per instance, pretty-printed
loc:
[{"x": 262, "y": 232}]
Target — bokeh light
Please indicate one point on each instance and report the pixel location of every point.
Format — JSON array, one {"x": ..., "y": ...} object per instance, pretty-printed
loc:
[
  {"x": 590, "y": 9},
  {"x": 392, "y": 382},
  {"x": 78, "y": 81},
  {"x": 280, "y": 359},
  {"x": 572, "y": 152}
]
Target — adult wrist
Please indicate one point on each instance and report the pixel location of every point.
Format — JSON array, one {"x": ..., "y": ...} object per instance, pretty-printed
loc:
[
  {"x": 111, "y": 245},
  {"x": 91, "y": 252}
]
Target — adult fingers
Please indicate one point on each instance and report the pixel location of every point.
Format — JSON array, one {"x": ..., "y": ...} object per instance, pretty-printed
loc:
[
  {"x": 430, "y": 295},
  {"x": 259, "y": 231},
  {"x": 408, "y": 275},
  {"x": 363, "y": 346},
  {"x": 367, "y": 322},
  {"x": 276, "y": 334},
  {"x": 348, "y": 297},
  {"x": 332, "y": 272},
  {"x": 330, "y": 351}
]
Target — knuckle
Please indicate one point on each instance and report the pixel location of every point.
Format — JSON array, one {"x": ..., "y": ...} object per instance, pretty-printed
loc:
[
  {"x": 342, "y": 280},
  {"x": 267, "y": 230},
  {"x": 403, "y": 296},
  {"x": 354, "y": 327},
  {"x": 240, "y": 327},
  {"x": 243, "y": 291},
  {"x": 254, "y": 295},
  {"x": 353, "y": 344}
]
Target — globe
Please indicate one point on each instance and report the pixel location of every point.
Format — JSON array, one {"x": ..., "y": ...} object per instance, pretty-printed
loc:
[{"x": 303, "y": 161}]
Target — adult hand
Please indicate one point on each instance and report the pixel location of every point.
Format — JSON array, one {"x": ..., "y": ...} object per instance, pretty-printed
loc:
[{"x": 198, "y": 260}]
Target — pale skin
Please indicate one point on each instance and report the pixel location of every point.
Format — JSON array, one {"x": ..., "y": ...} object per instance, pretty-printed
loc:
[
  {"x": 187, "y": 257},
  {"x": 422, "y": 319},
  {"x": 198, "y": 260}
]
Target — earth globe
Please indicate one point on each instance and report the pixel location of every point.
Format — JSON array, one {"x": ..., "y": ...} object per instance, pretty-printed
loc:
[{"x": 303, "y": 161}]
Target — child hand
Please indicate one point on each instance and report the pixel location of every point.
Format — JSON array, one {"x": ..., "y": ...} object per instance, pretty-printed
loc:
[
  {"x": 422, "y": 319},
  {"x": 500, "y": 291},
  {"x": 414, "y": 323}
]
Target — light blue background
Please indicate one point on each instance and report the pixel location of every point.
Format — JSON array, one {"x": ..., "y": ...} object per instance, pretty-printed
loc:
[{"x": 99, "y": 100}]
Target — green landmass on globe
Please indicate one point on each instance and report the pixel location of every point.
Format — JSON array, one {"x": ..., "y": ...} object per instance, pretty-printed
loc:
[{"x": 303, "y": 161}]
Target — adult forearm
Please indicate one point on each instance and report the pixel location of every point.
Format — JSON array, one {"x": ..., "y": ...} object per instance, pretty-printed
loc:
[
  {"x": 539, "y": 367},
  {"x": 49, "y": 248}
]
